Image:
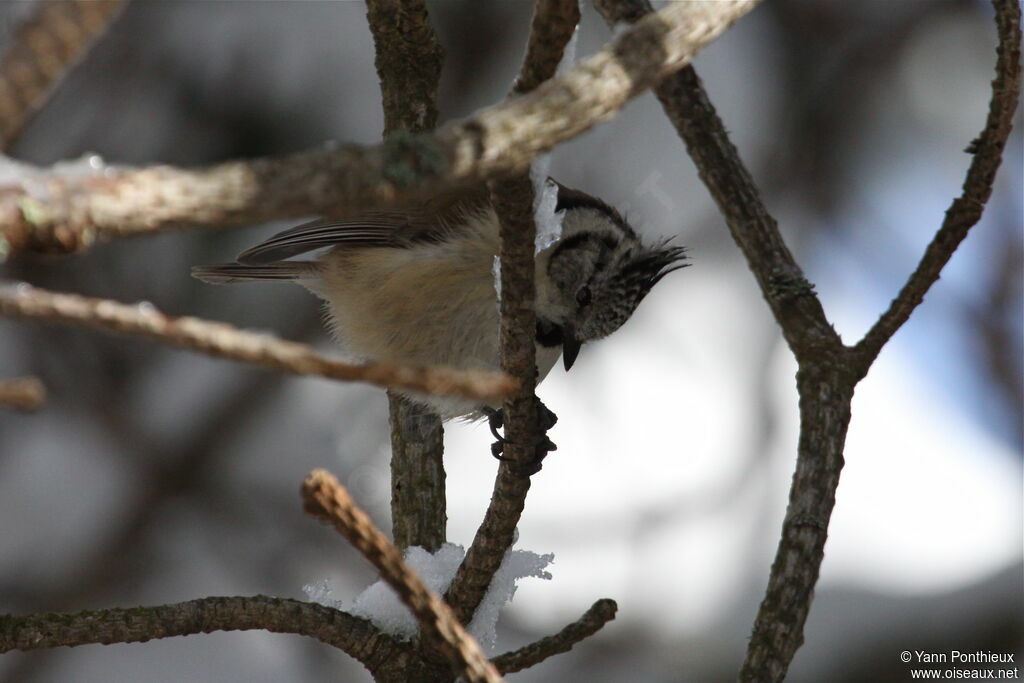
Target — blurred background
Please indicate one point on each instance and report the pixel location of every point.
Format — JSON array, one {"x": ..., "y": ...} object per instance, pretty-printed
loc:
[{"x": 155, "y": 476}]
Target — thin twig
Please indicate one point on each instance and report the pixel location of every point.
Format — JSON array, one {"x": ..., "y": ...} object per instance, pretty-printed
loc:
[
  {"x": 42, "y": 51},
  {"x": 512, "y": 198},
  {"x": 354, "y": 635},
  {"x": 592, "y": 621},
  {"x": 225, "y": 341},
  {"x": 325, "y": 498},
  {"x": 23, "y": 393},
  {"x": 966, "y": 210},
  {"x": 63, "y": 214}
]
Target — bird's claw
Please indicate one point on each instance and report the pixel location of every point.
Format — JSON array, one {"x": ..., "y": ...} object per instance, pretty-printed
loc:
[{"x": 545, "y": 421}]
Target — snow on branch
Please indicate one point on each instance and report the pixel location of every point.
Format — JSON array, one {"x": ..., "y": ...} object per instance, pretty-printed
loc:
[
  {"x": 65, "y": 214},
  {"x": 328, "y": 500},
  {"x": 221, "y": 340}
]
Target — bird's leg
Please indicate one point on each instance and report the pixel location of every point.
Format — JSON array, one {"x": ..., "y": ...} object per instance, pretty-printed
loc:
[{"x": 545, "y": 421}]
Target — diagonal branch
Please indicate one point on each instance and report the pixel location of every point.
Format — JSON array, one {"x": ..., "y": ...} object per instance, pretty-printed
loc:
[
  {"x": 966, "y": 210},
  {"x": 592, "y": 621},
  {"x": 224, "y": 341},
  {"x": 788, "y": 293},
  {"x": 42, "y": 51},
  {"x": 64, "y": 214},
  {"x": 512, "y": 197},
  {"x": 356, "y": 636},
  {"x": 325, "y": 498}
]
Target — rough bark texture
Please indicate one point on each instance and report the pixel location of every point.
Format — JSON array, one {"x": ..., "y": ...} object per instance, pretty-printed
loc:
[
  {"x": 418, "y": 505},
  {"x": 358, "y": 637},
  {"x": 409, "y": 61}
]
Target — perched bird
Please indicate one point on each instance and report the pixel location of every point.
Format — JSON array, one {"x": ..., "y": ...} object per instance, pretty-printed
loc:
[{"x": 417, "y": 285}]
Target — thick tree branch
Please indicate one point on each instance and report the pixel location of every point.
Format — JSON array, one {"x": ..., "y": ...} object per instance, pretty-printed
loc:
[
  {"x": 966, "y": 210},
  {"x": 224, "y": 341},
  {"x": 592, "y": 621},
  {"x": 325, "y": 498},
  {"x": 409, "y": 61},
  {"x": 63, "y": 214},
  {"x": 24, "y": 393},
  {"x": 418, "y": 504},
  {"x": 43, "y": 49},
  {"x": 512, "y": 198},
  {"x": 356, "y": 636}
]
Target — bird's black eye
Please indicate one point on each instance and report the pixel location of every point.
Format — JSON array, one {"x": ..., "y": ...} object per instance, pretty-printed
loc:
[
  {"x": 583, "y": 296},
  {"x": 548, "y": 333}
]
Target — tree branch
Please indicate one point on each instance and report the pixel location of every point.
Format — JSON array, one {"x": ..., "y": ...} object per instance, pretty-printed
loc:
[
  {"x": 224, "y": 341},
  {"x": 64, "y": 214},
  {"x": 409, "y": 61},
  {"x": 43, "y": 49},
  {"x": 554, "y": 23},
  {"x": 357, "y": 637},
  {"x": 788, "y": 293},
  {"x": 325, "y": 498},
  {"x": 828, "y": 371},
  {"x": 24, "y": 393},
  {"x": 419, "y": 513},
  {"x": 512, "y": 198},
  {"x": 966, "y": 210},
  {"x": 592, "y": 621}
]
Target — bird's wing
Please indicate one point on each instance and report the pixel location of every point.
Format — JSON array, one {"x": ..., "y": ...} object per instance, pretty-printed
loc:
[{"x": 429, "y": 222}]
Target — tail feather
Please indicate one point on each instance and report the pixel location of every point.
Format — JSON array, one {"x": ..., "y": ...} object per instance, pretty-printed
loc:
[{"x": 227, "y": 273}]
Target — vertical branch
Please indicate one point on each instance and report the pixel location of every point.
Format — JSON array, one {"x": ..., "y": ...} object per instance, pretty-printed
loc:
[
  {"x": 418, "y": 510},
  {"x": 409, "y": 61},
  {"x": 554, "y": 22}
]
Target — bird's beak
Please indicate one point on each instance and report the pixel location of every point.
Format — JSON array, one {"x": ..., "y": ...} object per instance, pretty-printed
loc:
[{"x": 570, "y": 347}]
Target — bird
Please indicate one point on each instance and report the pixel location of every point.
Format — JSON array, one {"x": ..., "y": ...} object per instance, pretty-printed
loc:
[{"x": 417, "y": 284}]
